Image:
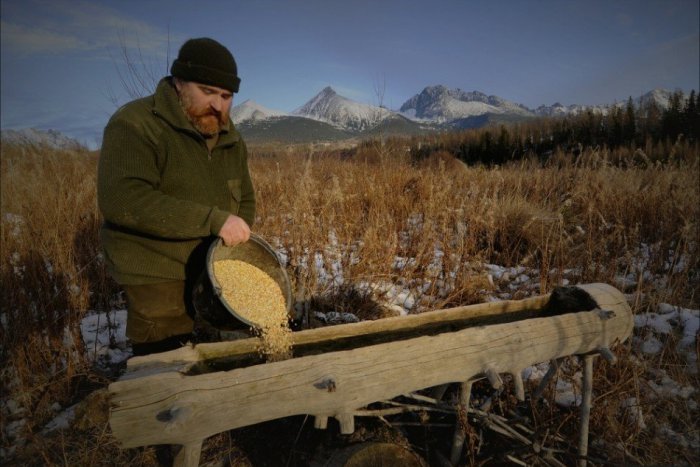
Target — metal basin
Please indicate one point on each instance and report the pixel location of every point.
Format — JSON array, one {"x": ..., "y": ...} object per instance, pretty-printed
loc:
[{"x": 208, "y": 299}]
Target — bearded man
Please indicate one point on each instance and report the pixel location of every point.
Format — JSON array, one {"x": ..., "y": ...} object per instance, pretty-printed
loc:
[{"x": 172, "y": 176}]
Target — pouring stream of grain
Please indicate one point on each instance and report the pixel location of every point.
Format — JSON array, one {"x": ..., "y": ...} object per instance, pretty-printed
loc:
[{"x": 257, "y": 297}]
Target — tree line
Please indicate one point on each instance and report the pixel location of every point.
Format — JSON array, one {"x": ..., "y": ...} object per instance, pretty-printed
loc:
[{"x": 628, "y": 126}]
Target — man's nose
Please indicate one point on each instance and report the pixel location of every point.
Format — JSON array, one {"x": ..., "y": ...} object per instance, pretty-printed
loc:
[{"x": 216, "y": 103}]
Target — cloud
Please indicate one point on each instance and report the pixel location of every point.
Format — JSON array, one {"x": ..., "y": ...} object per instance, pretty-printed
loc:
[
  {"x": 62, "y": 27},
  {"x": 32, "y": 40}
]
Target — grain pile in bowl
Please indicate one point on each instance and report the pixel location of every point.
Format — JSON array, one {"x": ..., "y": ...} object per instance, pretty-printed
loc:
[{"x": 257, "y": 297}]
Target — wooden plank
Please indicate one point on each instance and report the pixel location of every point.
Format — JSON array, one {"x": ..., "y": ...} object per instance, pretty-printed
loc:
[
  {"x": 172, "y": 408},
  {"x": 184, "y": 358},
  {"x": 189, "y": 455}
]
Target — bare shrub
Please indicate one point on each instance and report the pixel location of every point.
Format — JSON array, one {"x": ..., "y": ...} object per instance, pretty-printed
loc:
[
  {"x": 442, "y": 160},
  {"x": 51, "y": 272}
]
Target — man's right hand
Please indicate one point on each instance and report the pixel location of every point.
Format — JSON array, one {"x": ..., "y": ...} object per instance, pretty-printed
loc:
[{"x": 234, "y": 231}]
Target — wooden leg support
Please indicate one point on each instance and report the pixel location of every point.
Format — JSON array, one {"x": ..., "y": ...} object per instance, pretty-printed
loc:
[
  {"x": 519, "y": 386},
  {"x": 438, "y": 392},
  {"x": 320, "y": 422},
  {"x": 465, "y": 394},
  {"x": 189, "y": 455},
  {"x": 607, "y": 354},
  {"x": 347, "y": 423},
  {"x": 494, "y": 378},
  {"x": 553, "y": 370},
  {"x": 585, "y": 408}
]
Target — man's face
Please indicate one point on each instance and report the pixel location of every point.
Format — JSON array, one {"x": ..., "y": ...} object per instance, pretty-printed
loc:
[{"x": 207, "y": 107}]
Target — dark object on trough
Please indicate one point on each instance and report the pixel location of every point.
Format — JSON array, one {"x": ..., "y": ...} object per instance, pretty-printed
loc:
[{"x": 568, "y": 299}]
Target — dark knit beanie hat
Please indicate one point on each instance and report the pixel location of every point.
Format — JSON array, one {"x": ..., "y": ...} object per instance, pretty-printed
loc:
[{"x": 205, "y": 61}]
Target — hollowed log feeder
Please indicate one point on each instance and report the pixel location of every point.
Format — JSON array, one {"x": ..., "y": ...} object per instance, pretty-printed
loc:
[{"x": 186, "y": 395}]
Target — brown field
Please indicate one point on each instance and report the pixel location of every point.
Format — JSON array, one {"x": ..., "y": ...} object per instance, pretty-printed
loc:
[{"x": 585, "y": 220}]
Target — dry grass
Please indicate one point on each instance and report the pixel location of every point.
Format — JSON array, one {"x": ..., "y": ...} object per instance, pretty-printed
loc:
[
  {"x": 592, "y": 217},
  {"x": 356, "y": 215},
  {"x": 51, "y": 275}
]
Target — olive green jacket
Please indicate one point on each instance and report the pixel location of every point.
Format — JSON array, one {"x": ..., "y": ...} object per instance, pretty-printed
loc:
[{"x": 161, "y": 192}]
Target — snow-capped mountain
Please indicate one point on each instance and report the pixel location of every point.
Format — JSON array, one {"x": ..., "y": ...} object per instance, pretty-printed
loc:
[
  {"x": 250, "y": 110},
  {"x": 341, "y": 112},
  {"x": 659, "y": 97},
  {"x": 329, "y": 116},
  {"x": 35, "y": 137},
  {"x": 559, "y": 110},
  {"x": 441, "y": 104}
]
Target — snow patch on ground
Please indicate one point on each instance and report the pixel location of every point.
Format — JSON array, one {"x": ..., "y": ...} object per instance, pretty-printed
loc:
[
  {"x": 62, "y": 421},
  {"x": 104, "y": 336},
  {"x": 669, "y": 321}
]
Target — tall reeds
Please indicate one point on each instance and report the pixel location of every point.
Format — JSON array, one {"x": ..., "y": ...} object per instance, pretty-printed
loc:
[
  {"x": 588, "y": 215},
  {"x": 51, "y": 272},
  {"x": 348, "y": 221}
]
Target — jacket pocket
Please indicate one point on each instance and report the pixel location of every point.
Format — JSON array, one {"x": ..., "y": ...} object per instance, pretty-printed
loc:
[{"x": 234, "y": 186}]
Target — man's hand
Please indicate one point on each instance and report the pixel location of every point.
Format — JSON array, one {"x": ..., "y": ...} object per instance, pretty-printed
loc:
[{"x": 234, "y": 231}]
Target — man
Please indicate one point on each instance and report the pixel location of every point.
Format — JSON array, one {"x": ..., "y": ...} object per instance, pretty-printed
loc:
[{"x": 173, "y": 175}]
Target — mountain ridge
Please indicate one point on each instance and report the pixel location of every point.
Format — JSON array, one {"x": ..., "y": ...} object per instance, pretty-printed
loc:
[
  {"x": 35, "y": 137},
  {"x": 330, "y": 107},
  {"x": 251, "y": 110},
  {"x": 442, "y": 104},
  {"x": 658, "y": 96},
  {"x": 435, "y": 108},
  {"x": 434, "y": 105},
  {"x": 330, "y": 117}
]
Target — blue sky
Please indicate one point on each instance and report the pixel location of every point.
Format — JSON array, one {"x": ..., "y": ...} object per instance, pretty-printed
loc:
[{"x": 62, "y": 59}]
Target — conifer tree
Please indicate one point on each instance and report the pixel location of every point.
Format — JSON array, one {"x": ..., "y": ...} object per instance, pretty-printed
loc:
[
  {"x": 672, "y": 118},
  {"x": 692, "y": 117},
  {"x": 629, "y": 125}
]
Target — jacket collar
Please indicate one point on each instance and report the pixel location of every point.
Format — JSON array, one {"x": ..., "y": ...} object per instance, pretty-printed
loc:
[{"x": 167, "y": 105}]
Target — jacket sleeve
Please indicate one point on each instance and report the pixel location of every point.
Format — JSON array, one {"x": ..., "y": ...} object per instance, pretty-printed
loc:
[
  {"x": 247, "y": 205},
  {"x": 128, "y": 194}
]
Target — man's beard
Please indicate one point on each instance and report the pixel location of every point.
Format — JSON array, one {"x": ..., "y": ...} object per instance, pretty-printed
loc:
[{"x": 207, "y": 122}]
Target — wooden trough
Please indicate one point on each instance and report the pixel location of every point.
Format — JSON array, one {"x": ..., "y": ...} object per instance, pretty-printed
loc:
[{"x": 187, "y": 395}]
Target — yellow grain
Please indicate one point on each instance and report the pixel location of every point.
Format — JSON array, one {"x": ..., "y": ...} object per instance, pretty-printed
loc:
[{"x": 257, "y": 298}]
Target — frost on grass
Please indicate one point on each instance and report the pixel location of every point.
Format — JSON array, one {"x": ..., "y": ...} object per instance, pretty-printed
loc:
[
  {"x": 62, "y": 420},
  {"x": 633, "y": 410},
  {"x": 567, "y": 390},
  {"x": 664, "y": 387},
  {"x": 689, "y": 440},
  {"x": 104, "y": 336},
  {"x": 669, "y": 320},
  {"x": 336, "y": 317}
]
